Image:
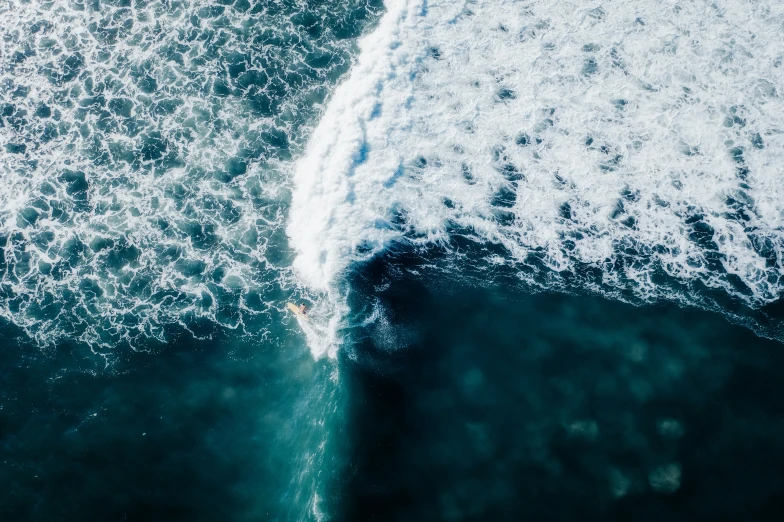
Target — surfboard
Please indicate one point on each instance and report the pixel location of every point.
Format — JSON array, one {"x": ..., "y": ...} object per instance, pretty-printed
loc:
[{"x": 295, "y": 310}]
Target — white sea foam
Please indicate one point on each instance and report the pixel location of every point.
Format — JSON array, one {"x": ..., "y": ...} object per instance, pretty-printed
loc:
[
  {"x": 631, "y": 137},
  {"x": 323, "y": 325},
  {"x": 143, "y": 151}
]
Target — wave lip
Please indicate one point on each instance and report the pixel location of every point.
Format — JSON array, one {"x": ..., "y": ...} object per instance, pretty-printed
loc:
[{"x": 327, "y": 223}]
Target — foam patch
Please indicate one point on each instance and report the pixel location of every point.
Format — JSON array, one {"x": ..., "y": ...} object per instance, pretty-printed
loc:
[{"x": 631, "y": 148}]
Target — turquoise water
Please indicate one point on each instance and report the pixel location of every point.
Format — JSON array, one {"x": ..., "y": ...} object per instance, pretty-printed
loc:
[
  {"x": 149, "y": 371},
  {"x": 466, "y": 404},
  {"x": 541, "y": 246},
  {"x": 199, "y": 431}
]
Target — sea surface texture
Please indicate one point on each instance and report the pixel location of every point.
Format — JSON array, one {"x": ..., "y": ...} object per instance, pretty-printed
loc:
[{"x": 541, "y": 243}]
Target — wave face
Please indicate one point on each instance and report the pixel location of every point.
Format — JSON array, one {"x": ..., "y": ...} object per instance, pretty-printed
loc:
[
  {"x": 632, "y": 149},
  {"x": 143, "y": 150}
]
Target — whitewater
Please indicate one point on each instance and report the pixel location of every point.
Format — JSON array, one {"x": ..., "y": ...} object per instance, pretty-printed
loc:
[
  {"x": 144, "y": 150},
  {"x": 626, "y": 148},
  {"x": 629, "y": 148}
]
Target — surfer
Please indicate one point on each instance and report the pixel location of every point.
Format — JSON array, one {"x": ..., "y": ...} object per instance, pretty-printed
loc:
[{"x": 298, "y": 310}]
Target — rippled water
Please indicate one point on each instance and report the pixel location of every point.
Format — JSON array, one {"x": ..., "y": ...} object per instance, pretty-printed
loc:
[
  {"x": 495, "y": 210},
  {"x": 144, "y": 154}
]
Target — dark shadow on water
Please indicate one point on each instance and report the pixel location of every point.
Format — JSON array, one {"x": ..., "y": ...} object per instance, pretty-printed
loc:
[{"x": 470, "y": 403}]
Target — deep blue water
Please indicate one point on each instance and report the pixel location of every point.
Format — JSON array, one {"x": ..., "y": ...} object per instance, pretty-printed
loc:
[
  {"x": 510, "y": 405},
  {"x": 468, "y": 402},
  {"x": 542, "y": 247}
]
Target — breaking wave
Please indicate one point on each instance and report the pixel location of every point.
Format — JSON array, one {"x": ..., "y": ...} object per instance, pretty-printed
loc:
[
  {"x": 154, "y": 168},
  {"x": 631, "y": 149}
]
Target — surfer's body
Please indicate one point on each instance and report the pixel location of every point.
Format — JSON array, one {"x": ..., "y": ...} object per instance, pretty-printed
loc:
[{"x": 299, "y": 311}]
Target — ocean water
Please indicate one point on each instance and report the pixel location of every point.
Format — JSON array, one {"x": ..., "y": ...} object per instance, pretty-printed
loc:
[
  {"x": 542, "y": 244},
  {"x": 474, "y": 402}
]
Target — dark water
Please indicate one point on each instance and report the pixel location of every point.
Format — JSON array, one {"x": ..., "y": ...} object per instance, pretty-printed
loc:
[
  {"x": 491, "y": 404},
  {"x": 197, "y": 431},
  {"x": 459, "y": 402}
]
